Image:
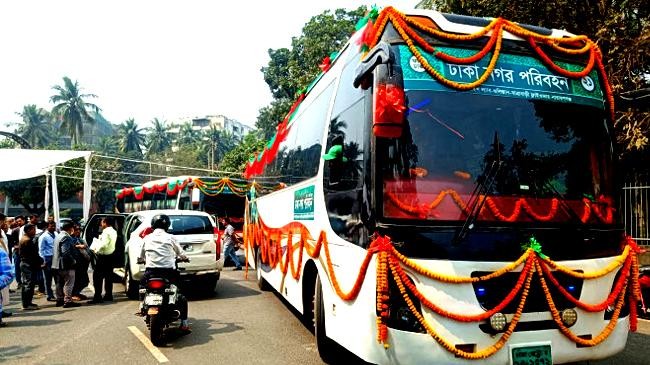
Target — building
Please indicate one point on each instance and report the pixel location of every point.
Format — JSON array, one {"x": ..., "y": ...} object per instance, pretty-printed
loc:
[{"x": 203, "y": 124}]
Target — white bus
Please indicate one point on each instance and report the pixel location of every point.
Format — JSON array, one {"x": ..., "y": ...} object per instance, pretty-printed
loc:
[{"x": 449, "y": 197}]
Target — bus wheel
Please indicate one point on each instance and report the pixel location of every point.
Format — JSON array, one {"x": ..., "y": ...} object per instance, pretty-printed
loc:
[
  {"x": 327, "y": 349},
  {"x": 131, "y": 286},
  {"x": 261, "y": 283}
]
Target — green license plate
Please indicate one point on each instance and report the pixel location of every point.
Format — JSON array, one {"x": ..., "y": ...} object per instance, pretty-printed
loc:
[{"x": 532, "y": 355}]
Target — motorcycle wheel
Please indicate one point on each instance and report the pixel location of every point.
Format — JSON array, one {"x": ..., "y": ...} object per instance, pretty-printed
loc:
[{"x": 156, "y": 330}]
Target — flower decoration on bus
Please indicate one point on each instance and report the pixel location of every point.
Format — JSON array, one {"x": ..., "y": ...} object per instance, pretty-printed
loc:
[
  {"x": 407, "y": 28},
  {"x": 392, "y": 265},
  {"x": 170, "y": 187},
  {"x": 507, "y": 209}
]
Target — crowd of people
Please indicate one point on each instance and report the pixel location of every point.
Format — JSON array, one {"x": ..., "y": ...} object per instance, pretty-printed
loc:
[{"x": 39, "y": 255}]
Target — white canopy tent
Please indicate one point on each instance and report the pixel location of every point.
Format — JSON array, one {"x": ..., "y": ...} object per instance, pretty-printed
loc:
[{"x": 24, "y": 164}]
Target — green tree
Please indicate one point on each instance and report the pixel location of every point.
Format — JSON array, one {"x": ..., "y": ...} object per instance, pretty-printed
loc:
[
  {"x": 236, "y": 159},
  {"x": 107, "y": 145},
  {"x": 158, "y": 138},
  {"x": 187, "y": 135},
  {"x": 130, "y": 138},
  {"x": 71, "y": 108},
  {"x": 620, "y": 28},
  {"x": 291, "y": 70},
  {"x": 37, "y": 127}
]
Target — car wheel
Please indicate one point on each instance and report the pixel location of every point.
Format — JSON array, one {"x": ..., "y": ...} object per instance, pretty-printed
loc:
[
  {"x": 132, "y": 287},
  {"x": 211, "y": 284}
]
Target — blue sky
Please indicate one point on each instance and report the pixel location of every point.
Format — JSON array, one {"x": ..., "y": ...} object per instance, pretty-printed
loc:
[{"x": 145, "y": 58}]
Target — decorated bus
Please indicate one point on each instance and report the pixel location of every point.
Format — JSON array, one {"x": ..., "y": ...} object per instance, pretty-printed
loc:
[
  {"x": 220, "y": 197},
  {"x": 449, "y": 197}
]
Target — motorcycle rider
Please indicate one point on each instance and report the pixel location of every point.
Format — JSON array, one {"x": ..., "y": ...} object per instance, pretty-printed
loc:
[{"x": 159, "y": 253}]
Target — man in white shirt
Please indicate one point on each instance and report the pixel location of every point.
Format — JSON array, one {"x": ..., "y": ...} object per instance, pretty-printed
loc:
[
  {"x": 159, "y": 252},
  {"x": 104, "y": 246}
]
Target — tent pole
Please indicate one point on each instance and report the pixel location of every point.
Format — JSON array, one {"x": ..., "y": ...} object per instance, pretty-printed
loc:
[
  {"x": 47, "y": 197},
  {"x": 55, "y": 199},
  {"x": 87, "y": 189}
]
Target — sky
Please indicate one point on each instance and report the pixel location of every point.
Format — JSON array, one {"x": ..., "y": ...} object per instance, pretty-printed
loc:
[{"x": 149, "y": 59}]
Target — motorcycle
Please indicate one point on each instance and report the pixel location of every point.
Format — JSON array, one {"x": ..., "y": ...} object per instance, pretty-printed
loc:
[
  {"x": 644, "y": 283},
  {"x": 159, "y": 306}
]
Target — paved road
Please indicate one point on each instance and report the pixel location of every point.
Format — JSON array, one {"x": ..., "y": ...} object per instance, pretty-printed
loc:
[{"x": 238, "y": 325}]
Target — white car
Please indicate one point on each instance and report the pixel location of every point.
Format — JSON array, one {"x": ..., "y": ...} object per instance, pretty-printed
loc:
[{"x": 195, "y": 231}]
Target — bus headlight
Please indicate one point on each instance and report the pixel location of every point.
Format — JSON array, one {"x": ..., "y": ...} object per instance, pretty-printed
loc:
[
  {"x": 569, "y": 317},
  {"x": 498, "y": 322}
]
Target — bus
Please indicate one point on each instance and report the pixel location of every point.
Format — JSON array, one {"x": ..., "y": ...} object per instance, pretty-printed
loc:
[
  {"x": 219, "y": 197},
  {"x": 448, "y": 196}
]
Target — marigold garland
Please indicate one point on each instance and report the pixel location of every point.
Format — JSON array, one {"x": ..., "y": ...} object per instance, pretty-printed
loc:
[
  {"x": 520, "y": 204},
  {"x": 620, "y": 282},
  {"x": 487, "y": 352},
  {"x": 565, "y": 330},
  {"x": 390, "y": 261},
  {"x": 575, "y": 45}
]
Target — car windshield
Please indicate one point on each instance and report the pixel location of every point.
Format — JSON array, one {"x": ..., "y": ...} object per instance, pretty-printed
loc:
[
  {"x": 534, "y": 160},
  {"x": 190, "y": 224}
]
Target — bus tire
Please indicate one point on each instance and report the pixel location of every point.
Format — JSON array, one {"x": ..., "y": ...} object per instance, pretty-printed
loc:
[
  {"x": 131, "y": 287},
  {"x": 261, "y": 283},
  {"x": 327, "y": 349}
]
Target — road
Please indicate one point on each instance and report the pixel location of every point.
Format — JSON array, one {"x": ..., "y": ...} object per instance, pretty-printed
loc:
[{"x": 239, "y": 325}]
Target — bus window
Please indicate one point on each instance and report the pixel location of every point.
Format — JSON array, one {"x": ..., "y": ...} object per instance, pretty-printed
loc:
[
  {"x": 343, "y": 175},
  {"x": 298, "y": 159}
]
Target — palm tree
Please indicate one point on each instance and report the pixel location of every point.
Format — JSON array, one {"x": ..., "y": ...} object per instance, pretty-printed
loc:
[
  {"x": 158, "y": 139},
  {"x": 225, "y": 144},
  {"x": 36, "y": 127},
  {"x": 71, "y": 108},
  {"x": 108, "y": 145},
  {"x": 187, "y": 135},
  {"x": 130, "y": 137}
]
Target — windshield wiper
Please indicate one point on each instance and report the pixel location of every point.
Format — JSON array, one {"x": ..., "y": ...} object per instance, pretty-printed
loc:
[
  {"x": 475, "y": 203},
  {"x": 563, "y": 203}
]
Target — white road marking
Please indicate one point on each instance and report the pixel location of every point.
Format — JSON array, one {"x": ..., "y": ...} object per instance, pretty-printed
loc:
[{"x": 148, "y": 345}]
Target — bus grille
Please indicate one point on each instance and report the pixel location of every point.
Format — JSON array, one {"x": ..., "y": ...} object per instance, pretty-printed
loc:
[{"x": 491, "y": 292}]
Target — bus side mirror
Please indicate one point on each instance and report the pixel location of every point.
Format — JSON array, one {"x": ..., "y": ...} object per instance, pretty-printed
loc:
[{"x": 379, "y": 54}]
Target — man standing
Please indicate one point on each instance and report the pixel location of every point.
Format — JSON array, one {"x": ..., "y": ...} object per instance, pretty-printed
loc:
[
  {"x": 14, "y": 240},
  {"x": 30, "y": 263},
  {"x": 63, "y": 262},
  {"x": 81, "y": 279},
  {"x": 6, "y": 276},
  {"x": 230, "y": 242},
  {"x": 46, "y": 251},
  {"x": 103, "y": 247},
  {"x": 4, "y": 291}
]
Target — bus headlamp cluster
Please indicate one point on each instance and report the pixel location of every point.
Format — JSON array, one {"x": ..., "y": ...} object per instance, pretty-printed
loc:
[
  {"x": 498, "y": 322},
  {"x": 569, "y": 317}
]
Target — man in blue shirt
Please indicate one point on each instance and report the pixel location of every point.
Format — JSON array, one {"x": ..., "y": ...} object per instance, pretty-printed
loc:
[
  {"x": 6, "y": 276},
  {"x": 46, "y": 251}
]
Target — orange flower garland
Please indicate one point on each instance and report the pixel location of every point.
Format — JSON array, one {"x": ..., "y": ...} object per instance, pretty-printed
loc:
[
  {"x": 565, "y": 330},
  {"x": 390, "y": 261},
  {"x": 520, "y": 204},
  {"x": 575, "y": 45},
  {"x": 450, "y": 347}
]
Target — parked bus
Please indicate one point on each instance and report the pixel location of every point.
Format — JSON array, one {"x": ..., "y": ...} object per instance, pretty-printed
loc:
[
  {"x": 449, "y": 197},
  {"x": 219, "y": 197}
]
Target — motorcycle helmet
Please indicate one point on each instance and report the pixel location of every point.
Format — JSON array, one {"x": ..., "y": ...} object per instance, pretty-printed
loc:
[{"x": 160, "y": 221}]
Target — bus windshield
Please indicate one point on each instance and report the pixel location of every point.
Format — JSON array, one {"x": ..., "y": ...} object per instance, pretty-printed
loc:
[{"x": 535, "y": 160}]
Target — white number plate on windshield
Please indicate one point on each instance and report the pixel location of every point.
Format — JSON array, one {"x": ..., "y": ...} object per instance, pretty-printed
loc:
[{"x": 153, "y": 299}]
